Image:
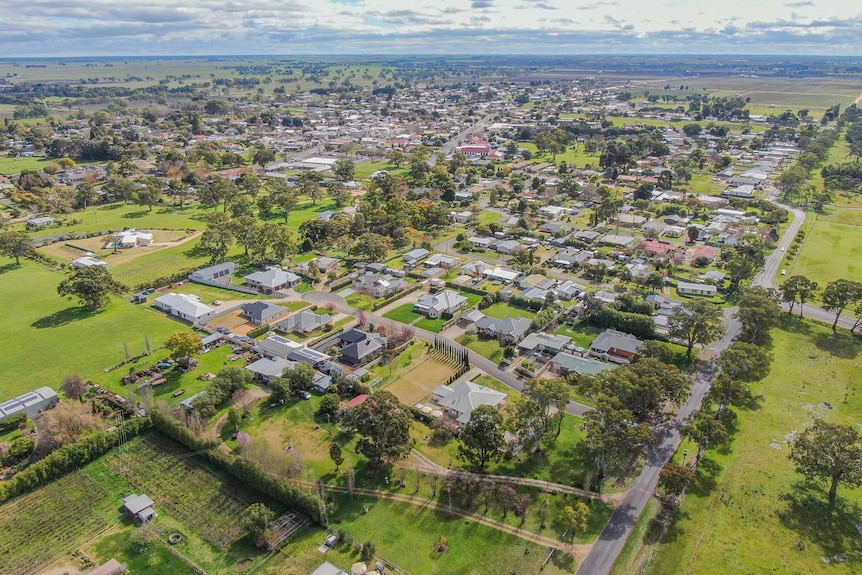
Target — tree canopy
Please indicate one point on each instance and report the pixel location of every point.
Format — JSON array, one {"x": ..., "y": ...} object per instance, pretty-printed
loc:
[
  {"x": 92, "y": 286},
  {"x": 829, "y": 451},
  {"x": 385, "y": 423}
]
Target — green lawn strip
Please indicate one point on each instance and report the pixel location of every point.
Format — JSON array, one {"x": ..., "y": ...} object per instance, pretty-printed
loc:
[
  {"x": 503, "y": 310},
  {"x": 360, "y": 301},
  {"x": 48, "y": 337},
  {"x": 432, "y": 325},
  {"x": 750, "y": 512},
  {"x": 582, "y": 334},
  {"x": 404, "y": 314}
]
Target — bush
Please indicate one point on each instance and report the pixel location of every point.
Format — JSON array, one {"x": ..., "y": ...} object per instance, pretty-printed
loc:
[
  {"x": 20, "y": 450},
  {"x": 13, "y": 422},
  {"x": 258, "y": 331},
  {"x": 368, "y": 551}
]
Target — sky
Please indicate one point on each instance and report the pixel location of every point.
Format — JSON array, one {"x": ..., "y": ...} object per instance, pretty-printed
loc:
[{"x": 529, "y": 27}]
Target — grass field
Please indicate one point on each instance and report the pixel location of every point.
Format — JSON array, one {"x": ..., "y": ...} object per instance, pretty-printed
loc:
[
  {"x": 191, "y": 492},
  {"x": 503, "y": 310},
  {"x": 37, "y": 527},
  {"x": 41, "y": 334},
  {"x": 750, "y": 512},
  {"x": 842, "y": 241},
  {"x": 120, "y": 216},
  {"x": 420, "y": 380}
]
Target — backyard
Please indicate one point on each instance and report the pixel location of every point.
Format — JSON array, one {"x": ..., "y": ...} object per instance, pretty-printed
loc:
[
  {"x": 749, "y": 511},
  {"x": 54, "y": 326}
]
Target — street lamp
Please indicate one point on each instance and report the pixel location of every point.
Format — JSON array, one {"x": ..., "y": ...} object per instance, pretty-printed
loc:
[{"x": 684, "y": 455}]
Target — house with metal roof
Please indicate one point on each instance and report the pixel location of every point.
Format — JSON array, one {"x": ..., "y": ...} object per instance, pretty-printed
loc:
[
  {"x": 261, "y": 312},
  {"x": 616, "y": 346},
  {"x": 436, "y": 305},
  {"x": 278, "y": 346},
  {"x": 304, "y": 322},
  {"x": 30, "y": 403},
  {"x": 184, "y": 306},
  {"x": 566, "y": 363},
  {"x": 459, "y": 400},
  {"x": 272, "y": 280}
]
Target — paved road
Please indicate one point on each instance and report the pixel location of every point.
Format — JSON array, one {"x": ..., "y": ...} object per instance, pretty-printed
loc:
[
  {"x": 610, "y": 543},
  {"x": 483, "y": 363}
]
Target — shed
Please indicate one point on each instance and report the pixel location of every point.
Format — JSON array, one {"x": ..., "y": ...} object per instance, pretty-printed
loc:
[{"x": 139, "y": 507}]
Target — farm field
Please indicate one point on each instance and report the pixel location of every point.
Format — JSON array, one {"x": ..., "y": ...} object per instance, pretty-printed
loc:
[
  {"x": 44, "y": 321},
  {"x": 191, "y": 492},
  {"x": 41, "y": 525},
  {"x": 167, "y": 262},
  {"x": 120, "y": 216},
  {"x": 749, "y": 511},
  {"x": 829, "y": 237}
]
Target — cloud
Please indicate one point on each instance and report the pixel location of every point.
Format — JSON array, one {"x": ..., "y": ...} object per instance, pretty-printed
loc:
[
  {"x": 799, "y": 4},
  {"x": 482, "y": 4}
]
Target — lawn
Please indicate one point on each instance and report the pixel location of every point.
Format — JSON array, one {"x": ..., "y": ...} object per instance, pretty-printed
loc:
[
  {"x": 485, "y": 347},
  {"x": 503, "y": 310},
  {"x": 420, "y": 380},
  {"x": 404, "y": 314},
  {"x": 41, "y": 338},
  {"x": 582, "y": 333},
  {"x": 155, "y": 559},
  {"x": 750, "y": 512},
  {"x": 843, "y": 241},
  {"x": 119, "y": 216},
  {"x": 163, "y": 263}
]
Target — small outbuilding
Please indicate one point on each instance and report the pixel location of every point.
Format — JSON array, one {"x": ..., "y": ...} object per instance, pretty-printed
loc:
[{"x": 139, "y": 508}]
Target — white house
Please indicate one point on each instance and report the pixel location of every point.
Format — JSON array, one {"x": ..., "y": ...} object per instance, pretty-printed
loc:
[
  {"x": 30, "y": 403},
  {"x": 435, "y": 305},
  {"x": 185, "y": 306},
  {"x": 131, "y": 238},
  {"x": 685, "y": 288},
  {"x": 272, "y": 280}
]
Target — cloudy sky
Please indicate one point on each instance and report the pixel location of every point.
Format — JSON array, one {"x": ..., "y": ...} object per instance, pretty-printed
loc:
[{"x": 188, "y": 27}]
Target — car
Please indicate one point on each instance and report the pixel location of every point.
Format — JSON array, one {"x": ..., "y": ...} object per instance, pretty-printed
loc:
[
  {"x": 304, "y": 395},
  {"x": 784, "y": 272},
  {"x": 216, "y": 302},
  {"x": 782, "y": 249},
  {"x": 223, "y": 330}
]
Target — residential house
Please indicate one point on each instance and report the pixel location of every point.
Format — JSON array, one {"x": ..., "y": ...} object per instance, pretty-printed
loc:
[
  {"x": 304, "y": 322},
  {"x": 616, "y": 241},
  {"x": 267, "y": 370},
  {"x": 640, "y": 271},
  {"x": 536, "y": 281},
  {"x": 544, "y": 343},
  {"x": 184, "y": 306},
  {"x": 555, "y": 228},
  {"x": 277, "y": 346},
  {"x": 630, "y": 220},
  {"x": 657, "y": 248},
  {"x": 414, "y": 256},
  {"x": 655, "y": 227},
  {"x": 261, "y": 312},
  {"x": 88, "y": 262},
  {"x": 615, "y": 346},
  {"x": 213, "y": 273},
  {"x": 509, "y": 330},
  {"x": 572, "y": 257},
  {"x": 506, "y": 247},
  {"x": 685, "y": 288},
  {"x": 459, "y": 400},
  {"x": 587, "y": 236},
  {"x": 378, "y": 286},
  {"x": 481, "y": 243},
  {"x": 442, "y": 261},
  {"x": 714, "y": 277},
  {"x": 568, "y": 290},
  {"x": 462, "y": 217},
  {"x": 475, "y": 268},
  {"x": 40, "y": 222},
  {"x": 131, "y": 238},
  {"x": 535, "y": 294},
  {"x": 566, "y": 364},
  {"x": 139, "y": 508},
  {"x": 502, "y": 275},
  {"x": 439, "y": 304},
  {"x": 361, "y": 347},
  {"x": 327, "y": 568},
  {"x": 308, "y": 356},
  {"x": 272, "y": 280}
]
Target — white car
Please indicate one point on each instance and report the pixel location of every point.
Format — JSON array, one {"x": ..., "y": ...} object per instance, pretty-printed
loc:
[{"x": 784, "y": 272}]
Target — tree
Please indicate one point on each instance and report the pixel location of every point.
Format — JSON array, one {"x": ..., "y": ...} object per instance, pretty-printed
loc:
[
  {"x": 183, "y": 345},
  {"x": 838, "y": 295},
  {"x": 829, "y": 451},
  {"x": 758, "y": 312},
  {"x": 706, "y": 430},
  {"x": 482, "y": 437},
  {"x": 68, "y": 422},
  {"x": 675, "y": 479},
  {"x": 309, "y": 185},
  {"x": 335, "y": 454},
  {"x": 612, "y": 438},
  {"x": 573, "y": 518},
  {"x": 339, "y": 193},
  {"x": 692, "y": 232},
  {"x": 744, "y": 362},
  {"x": 256, "y": 520},
  {"x": 328, "y": 406},
  {"x": 263, "y": 156},
  {"x": 15, "y": 244},
  {"x": 284, "y": 197},
  {"x": 344, "y": 169},
  {"x": 149, "y": 194},
  {"x": 216, "y": 242},
  {"x": 92, "y": 286},
  {"x": 695, "y": 322},
  {"x": 370, "y": 247},
  {"x": 385, "y": 424},
  {"x": 74, "y": 387},
  {"x": 244, "y": 229},
  {"x": 552, "y": 398},
  {"x": 299, "y": 377},
  {"x": 798, "y": 288}
]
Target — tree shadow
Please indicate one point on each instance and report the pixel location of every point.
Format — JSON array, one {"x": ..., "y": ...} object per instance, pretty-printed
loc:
[
  {"x": 8, "y": 267},
  {"x": 808, "y": 514},
  {"x": 795, "y": 324},
  {"x": 64, "y": 317},
  {"x": 707, "y": 474},
  {"x": 196, "y": 251},
  {"x": 840, "y": 345},
  {"x": 135, "y": 215}
]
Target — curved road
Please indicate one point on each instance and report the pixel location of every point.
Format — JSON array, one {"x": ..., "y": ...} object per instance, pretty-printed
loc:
[{"x": 483, "y": 363}]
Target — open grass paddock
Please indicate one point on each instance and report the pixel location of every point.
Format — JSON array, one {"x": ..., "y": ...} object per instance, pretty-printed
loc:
[
  {"x": 420, "y": 380},
  {"x": 749, "y": 511}
]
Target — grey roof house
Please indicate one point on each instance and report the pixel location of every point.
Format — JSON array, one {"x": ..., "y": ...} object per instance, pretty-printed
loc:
[
  {"x": 261, "y": 312},
  {"x": 461, "y": 399},
  {"x": 272, "y": 280},
  {"x": 304, "y": 322},
  {"x": 511, "y": 330},
  {"x": 436, "y": 305}
]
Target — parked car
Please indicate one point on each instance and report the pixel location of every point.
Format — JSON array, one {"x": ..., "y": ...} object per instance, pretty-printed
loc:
[{"x": 304, "y": 395}]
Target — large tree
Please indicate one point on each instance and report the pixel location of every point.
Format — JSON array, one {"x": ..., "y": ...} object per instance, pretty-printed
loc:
[
  {"x": 704, "y": 429},
  {"x": 216, "y": 242},
  {"x": 385, "y": 423},
  {"x": 552, "y": 397},
  {"x": 148, "y": 193},
  {"x": 838, "y": 295},
  {"x": 370, "y": 247},
  {"x": 612, "y": 437},
  {"x": 15, "y": 244},
  {"x": 758, "y": 312},
  {"x": 574, "y": 519},
  {"x": 92, "y": 286},
  {"x": 695, "y": 322},
  {"x": 482, "y": 437},
  {"x": 344, "y": 169},
  {"x": 798, "y": 288},
  {"x": 829, "y": 451},
  {"x": 256, "y": 520},
  {"x": 183, "y": 345},
  {"x": 744, "y": 362}
]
